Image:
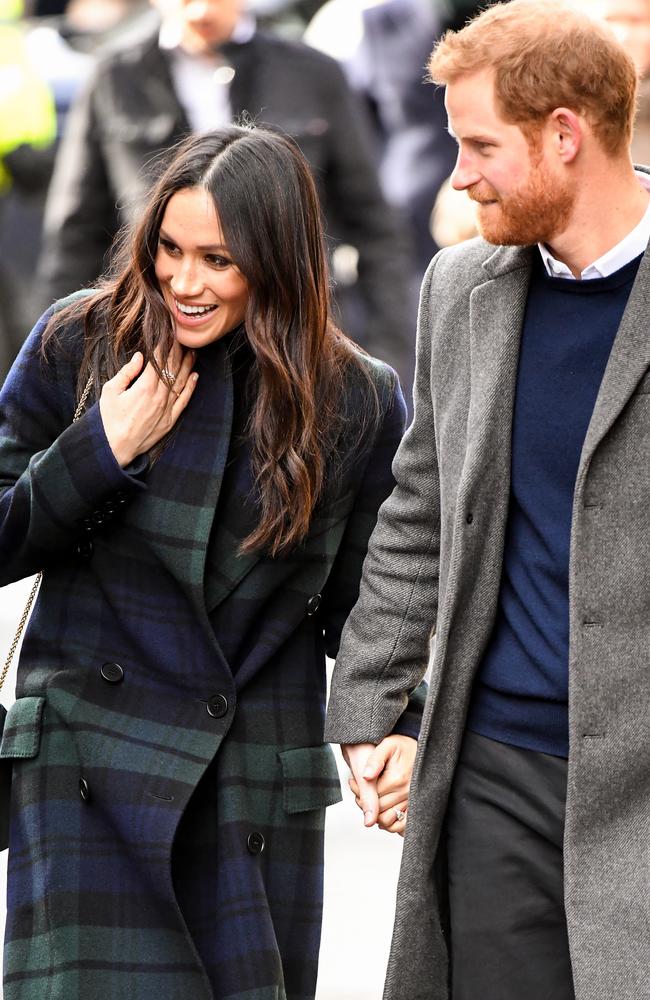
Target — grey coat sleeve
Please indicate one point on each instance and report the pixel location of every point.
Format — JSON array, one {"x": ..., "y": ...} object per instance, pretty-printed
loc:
[
  {"x": 80, "y": 214},
  {"x": 385, "y": 644}
]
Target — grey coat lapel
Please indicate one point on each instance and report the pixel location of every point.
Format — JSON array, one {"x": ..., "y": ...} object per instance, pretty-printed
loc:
[
  {"x": 496, "y": 316},
  {"x": 628, "y": 362}
]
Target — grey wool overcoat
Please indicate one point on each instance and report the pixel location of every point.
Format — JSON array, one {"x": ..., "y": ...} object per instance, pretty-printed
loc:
[
  {"x": 169, "y": 772},
  {"x": 435, "y": 562}
]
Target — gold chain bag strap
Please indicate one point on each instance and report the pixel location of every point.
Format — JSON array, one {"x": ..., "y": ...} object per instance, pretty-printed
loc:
[{"x": 39, "y": 577}]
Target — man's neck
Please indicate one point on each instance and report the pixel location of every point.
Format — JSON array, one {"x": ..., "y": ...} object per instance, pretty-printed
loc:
[{"x": 605, "y": 212}]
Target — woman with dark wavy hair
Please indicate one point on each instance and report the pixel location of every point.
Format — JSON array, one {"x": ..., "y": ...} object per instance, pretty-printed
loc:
[{"x": 201, "y": 525}]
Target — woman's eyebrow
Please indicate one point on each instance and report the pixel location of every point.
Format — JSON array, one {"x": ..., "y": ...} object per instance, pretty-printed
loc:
[{"x": 206, "y": 247}]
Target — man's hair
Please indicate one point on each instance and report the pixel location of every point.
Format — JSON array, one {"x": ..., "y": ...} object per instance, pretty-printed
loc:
[{"x": 546, "y": 55}]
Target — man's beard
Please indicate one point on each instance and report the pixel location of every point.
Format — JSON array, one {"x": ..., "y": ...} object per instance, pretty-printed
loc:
[{"x": 535, "y": 214}]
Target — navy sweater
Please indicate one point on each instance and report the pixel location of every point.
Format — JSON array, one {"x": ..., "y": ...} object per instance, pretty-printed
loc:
[{"x": 521, "y": 689}]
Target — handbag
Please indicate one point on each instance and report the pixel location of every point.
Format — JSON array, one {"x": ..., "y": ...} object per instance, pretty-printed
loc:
[{"x": 6, "y": 762}]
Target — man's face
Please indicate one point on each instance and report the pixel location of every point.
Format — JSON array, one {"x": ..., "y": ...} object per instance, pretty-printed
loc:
[
  {"x": 521, "y": 195},
  {"x": 201, "y": 24}
]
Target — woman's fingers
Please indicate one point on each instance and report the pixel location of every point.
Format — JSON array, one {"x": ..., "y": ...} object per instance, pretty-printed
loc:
[
  {"x": 122, "y": 380},
  {"x": 394, "y": 820},
  {"x": 394, "y": 800},
  {"x": 182, "y": 372},
  {"x": 183, "y": 397}
]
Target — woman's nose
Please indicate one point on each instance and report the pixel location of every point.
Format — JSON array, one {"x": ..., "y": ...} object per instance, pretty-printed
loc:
[{"x": 187, "y": 280}]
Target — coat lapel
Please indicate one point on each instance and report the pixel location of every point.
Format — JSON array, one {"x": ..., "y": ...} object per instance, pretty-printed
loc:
[
  {"x": 496, "y": 317},
  {"x": 244, "y": 59},
  {"x": 161, "y": 117},
  {"x": 628, "y": 362},
  {"x": 175, "y": 516}
]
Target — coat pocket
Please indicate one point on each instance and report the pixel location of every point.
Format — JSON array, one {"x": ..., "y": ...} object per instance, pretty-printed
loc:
[
  {"x": 21, "y": 737},
  {"x": 21, "y": 734},
  {"x": 311, "y": 778}
]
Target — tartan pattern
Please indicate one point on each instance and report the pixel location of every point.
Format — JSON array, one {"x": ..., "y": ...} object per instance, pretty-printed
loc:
[{"x": 132, "y": 870}]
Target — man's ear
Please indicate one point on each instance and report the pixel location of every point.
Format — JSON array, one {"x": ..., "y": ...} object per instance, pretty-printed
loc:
[{"x": 567, "y": 133}]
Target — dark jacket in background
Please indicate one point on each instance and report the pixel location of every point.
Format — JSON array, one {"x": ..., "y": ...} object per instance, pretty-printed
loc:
[{"x": 130, "y": 113}]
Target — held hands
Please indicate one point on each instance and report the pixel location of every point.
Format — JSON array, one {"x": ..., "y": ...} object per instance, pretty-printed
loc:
[
  {"x": 138, "y": 416},
  {"x": 380, "y": 779}
]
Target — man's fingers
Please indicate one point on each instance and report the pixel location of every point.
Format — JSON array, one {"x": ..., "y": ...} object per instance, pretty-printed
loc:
[
  {"x": 375, "y": 763},
  {"x": 357, "y": 756},
  {"x": 369, "y": 803}
]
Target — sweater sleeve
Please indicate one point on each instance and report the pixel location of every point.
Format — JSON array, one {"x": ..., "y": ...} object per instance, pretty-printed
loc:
[{"x": 54, "y": 474}]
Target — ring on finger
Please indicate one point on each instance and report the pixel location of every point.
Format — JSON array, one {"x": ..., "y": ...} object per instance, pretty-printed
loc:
[
  {"x": 400, "y": 815},
  {"x": 168, "y": 376}
]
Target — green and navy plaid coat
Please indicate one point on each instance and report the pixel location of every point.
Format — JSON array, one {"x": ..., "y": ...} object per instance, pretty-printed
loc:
[{"x": 169, "y": 770}]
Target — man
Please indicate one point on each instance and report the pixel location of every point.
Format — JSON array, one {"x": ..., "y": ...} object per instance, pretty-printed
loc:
[
  {"x": 519, "y": 530},
  {"x": 206, "y": 65}
]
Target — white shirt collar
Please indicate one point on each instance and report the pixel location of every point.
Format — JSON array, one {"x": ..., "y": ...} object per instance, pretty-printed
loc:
[
  {"x": 171, "y": 31},
  {"x": 613, "y": 260}
]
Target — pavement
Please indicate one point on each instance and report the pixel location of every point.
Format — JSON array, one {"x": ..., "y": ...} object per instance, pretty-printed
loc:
[{"x": 361, "y": 868}]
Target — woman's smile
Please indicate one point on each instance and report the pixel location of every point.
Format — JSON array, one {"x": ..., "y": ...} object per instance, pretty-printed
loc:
[{"x": 205, "y": 291}]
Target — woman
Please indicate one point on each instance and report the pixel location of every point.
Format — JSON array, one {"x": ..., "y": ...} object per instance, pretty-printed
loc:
[{"x": 202, "y": 528}]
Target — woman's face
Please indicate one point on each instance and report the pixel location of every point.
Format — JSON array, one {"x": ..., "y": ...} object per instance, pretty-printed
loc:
[{"x": 205, "y": 292}]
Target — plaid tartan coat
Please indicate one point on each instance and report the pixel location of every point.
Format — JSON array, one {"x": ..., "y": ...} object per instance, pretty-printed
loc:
[{"x": 169, "y": 770}]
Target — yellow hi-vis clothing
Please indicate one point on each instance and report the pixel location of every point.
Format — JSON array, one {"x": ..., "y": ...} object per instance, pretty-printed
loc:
[{"x": 27, "y": 111}]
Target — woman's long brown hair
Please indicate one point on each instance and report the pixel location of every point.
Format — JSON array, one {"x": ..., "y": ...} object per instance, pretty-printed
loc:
[{"x": 268, "y": 208}]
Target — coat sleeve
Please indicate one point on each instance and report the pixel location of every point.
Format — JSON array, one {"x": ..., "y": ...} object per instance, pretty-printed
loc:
[
  {"x": 385, "y": 644},
  {"x": 53, "y": 473},
  {"x": 342, "y": 587},
  {"x": 80, "y": 216}
]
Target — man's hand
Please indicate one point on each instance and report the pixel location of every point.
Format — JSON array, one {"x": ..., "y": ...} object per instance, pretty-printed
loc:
[
  {"x": 380, "y": 780},
  {"x": 357, "y": 756}
]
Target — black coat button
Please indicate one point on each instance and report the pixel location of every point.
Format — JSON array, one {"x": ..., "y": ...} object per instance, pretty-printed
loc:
[
  {"x": 470, "y": 518},
  {"x": 217, "y": 706},
  {"x": 255, "y": 843},
  {"x": 313, "y": 604},
  {"x": 87, "y": 524},
  {"x": 84, "y": 790},
  {"x": 112, "y": 672},
  {"x": 98, "y": 518}
]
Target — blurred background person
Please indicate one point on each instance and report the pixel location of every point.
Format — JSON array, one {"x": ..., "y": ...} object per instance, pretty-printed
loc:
[
  {"x": 383, "y": 46},
  {"x": 204, "y": 64},
  {"x": 630, "y": 22},
  {"x": 43, "y": 63},
  {"x": 27, "y": 131}
]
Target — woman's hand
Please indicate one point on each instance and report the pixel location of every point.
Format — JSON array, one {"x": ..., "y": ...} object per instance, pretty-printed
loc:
[
  {"x": 138, "y": 416},
  {"x": 380, "y": 780}
]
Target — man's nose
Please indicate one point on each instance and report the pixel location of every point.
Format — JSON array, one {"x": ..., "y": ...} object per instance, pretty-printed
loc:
[{"x": 464, "y": 174}]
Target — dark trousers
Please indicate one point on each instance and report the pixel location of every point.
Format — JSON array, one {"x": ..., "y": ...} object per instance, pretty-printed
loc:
[{"x": 505, "y": 826}]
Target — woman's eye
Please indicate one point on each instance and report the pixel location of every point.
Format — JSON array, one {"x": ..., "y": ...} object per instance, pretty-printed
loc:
[
  {"x": 217, "y": 260},
  {"x": 167, "y": 246}
]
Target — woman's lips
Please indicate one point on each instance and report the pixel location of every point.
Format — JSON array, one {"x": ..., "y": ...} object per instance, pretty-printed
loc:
[{"x": 194, "y": 319}]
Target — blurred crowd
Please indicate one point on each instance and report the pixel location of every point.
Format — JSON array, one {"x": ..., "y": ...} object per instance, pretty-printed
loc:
[{"x": 92, "y": 92}]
